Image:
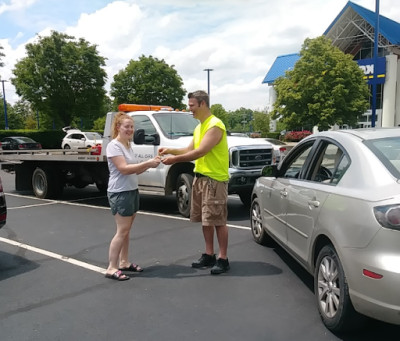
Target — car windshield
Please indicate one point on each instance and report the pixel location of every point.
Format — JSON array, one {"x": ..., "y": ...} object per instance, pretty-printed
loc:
[
  {"x": 388, "y": 151},
  {"x": 175, "y": 125},
  {"x": 93, "y": 136}
]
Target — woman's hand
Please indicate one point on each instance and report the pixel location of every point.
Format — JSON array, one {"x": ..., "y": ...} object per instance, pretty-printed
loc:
[{"x": 153, "y": 163}]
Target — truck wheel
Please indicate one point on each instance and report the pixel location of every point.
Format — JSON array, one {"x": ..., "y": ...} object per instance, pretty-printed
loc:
[
  {"x": 102, "y": 187},
  {"x": 46, "y": 183},
  {"x": 183, "y": 193},
  {"x": 245, "y": 197}
]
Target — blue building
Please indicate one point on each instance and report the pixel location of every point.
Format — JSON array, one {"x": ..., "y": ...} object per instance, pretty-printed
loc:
[{"x": 353, "y": 32}]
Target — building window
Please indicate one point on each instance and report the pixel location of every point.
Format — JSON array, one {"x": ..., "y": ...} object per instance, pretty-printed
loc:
[{"x": 379, "y": 96}]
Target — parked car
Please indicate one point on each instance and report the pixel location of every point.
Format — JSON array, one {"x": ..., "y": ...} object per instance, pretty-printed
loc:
[
  {"x": 238, "y": 134},
  {"x": 280, "y": 148},
  {"x": 3, "y": 206},
  {"x": 19, "y": 143},
  {"x": 334, "y": 204},
  {"x": 80, "y": 139}
]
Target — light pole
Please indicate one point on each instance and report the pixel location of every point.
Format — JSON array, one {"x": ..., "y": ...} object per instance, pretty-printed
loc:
[
  {"x": 5, "y": 106},
  {"x": 375, "y": 77},
  {"x": 208, "y": 80}
]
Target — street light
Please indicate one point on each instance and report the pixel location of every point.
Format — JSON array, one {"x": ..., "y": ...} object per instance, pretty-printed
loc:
[
  {"x": 375, "y": 75},
  {"x": 208, "y": 80},
  {"x": 5, "y": 106}
]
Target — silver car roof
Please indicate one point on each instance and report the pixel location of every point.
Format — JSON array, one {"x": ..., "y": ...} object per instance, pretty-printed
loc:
[{"x": 364, "y": 133}]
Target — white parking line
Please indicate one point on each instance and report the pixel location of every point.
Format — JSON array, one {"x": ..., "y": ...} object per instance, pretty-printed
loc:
[
  {"x": 76, "y": 203},
  {"x": 54, "y": 255},
  {"x": 72, "y": 260}
]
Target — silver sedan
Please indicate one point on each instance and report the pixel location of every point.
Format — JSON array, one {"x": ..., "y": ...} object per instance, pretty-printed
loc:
[{"x": 334, "y": 204}]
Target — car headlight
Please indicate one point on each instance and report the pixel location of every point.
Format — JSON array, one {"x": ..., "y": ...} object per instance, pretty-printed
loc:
[{"x": 388, "y": 216}]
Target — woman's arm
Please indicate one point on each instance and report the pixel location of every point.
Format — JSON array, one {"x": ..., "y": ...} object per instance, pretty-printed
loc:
[{"x": 137, "y": 168}]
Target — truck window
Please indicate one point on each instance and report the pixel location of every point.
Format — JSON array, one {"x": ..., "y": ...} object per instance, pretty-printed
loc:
[
  {"x": 175, "y": 125},
  {"x": 143, "y": 122}
]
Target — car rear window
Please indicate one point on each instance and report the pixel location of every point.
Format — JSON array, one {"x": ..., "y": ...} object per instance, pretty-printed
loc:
[
  {"x": 93, "y": 136},
  {"x": 388, "y": 151}
]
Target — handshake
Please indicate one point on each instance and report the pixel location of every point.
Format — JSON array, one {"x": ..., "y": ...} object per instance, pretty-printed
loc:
[
  {"x": 161, "y": 157},
  {"x": 166, "y": 160}
]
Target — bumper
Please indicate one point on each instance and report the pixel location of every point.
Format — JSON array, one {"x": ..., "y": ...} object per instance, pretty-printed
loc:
[
  {"x": 241, "y": 181},
  {"x": 376, "y": 298}
]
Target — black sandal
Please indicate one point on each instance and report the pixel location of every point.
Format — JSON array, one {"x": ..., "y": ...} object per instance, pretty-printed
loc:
[
  {"x": 133, "y": 268},
  {"x": 118, "y": 276}
]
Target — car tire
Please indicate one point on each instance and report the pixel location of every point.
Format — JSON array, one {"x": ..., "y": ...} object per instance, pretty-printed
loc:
[
  {"x": 184, "y": 193},
  {"x": 332, "y": 293},
  {"x": 259, "y": 234},
  {"x": 67, "y": 146}
]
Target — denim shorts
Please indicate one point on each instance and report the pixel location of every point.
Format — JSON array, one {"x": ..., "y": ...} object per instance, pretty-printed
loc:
[{"x": 126, "y": 204}]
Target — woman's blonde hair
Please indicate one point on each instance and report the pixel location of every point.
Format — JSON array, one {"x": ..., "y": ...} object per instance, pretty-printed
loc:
[{"x": 117, "y": 121}]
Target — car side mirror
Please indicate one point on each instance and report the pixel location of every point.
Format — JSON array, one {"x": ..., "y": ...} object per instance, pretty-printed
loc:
[
  {"x": 269, "y": 171},
  {"x": 138, "y": 136}
]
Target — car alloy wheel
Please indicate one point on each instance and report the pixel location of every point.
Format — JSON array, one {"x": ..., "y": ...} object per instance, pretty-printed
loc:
[
  {"x": 332, "y": 293},
  {"x": 259, "y": 234},
  {"x": 328, "y": 287}
]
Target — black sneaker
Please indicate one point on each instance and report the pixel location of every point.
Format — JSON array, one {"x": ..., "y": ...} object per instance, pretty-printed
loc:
[
  {"x": 204, "y": 261},
  {"x": 221, "y": 266}
]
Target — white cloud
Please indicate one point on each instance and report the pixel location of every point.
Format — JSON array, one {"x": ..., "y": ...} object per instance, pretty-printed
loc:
[
  {"x": 238, "y": 39},
  {"x": 15, "y": 5}
]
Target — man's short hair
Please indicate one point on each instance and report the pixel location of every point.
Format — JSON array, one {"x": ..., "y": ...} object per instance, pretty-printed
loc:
[{"x": 200, "y": 96}]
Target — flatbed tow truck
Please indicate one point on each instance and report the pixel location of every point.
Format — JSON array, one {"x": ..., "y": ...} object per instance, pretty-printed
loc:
[{"x": 48, "y": 171}]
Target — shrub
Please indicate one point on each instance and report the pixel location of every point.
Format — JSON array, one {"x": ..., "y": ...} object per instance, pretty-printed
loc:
[{"x": 296, "y": 136}]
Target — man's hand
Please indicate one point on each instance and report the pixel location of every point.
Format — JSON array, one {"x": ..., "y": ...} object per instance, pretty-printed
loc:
[
  {"x": 163, "y": 151},
  {"x": 169, "y": 160}
]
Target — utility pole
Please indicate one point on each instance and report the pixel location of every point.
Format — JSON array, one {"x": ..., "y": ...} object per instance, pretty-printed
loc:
[
  {"x": 375, "y": 77},
  {"x": 5, "y": 106},
  {"x": 208, "y": 81}
]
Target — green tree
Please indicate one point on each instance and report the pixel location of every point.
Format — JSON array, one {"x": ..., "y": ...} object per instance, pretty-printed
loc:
[
  {"x": 21, "y": 113},
  {"x": 325, "y": 87},
  {"x": 219, "y": 111},
  {"x": 148, "y": 81},
  {"x": 240, "y": 120},
  {"x": 99, "y": 124},
  {"x": 63, "y": 79},
  {"x": 261, "y": 122}
]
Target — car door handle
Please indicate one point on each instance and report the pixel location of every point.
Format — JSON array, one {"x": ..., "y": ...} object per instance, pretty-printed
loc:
[
  {"x": 314, "y": 203},
  {"x": 284, "y": 193}
]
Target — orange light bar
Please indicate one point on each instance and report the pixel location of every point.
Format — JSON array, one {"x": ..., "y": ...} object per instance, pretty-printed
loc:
[{"x": 142, "y": 107}]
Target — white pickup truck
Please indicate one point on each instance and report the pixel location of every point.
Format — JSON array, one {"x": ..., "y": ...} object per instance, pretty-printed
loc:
[{"x": 47, "y": 172}]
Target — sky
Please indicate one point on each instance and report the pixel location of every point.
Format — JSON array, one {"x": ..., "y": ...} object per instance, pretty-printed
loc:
[{"x": 238, "y": 39}]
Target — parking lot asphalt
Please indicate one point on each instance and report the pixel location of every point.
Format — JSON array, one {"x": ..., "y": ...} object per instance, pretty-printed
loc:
[{"x": 53, "y": 255}]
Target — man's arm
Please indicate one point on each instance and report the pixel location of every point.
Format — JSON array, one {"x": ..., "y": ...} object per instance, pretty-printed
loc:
[
  {"x": 175, "y": 151},
  {"x": 210, "y": 139}
]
